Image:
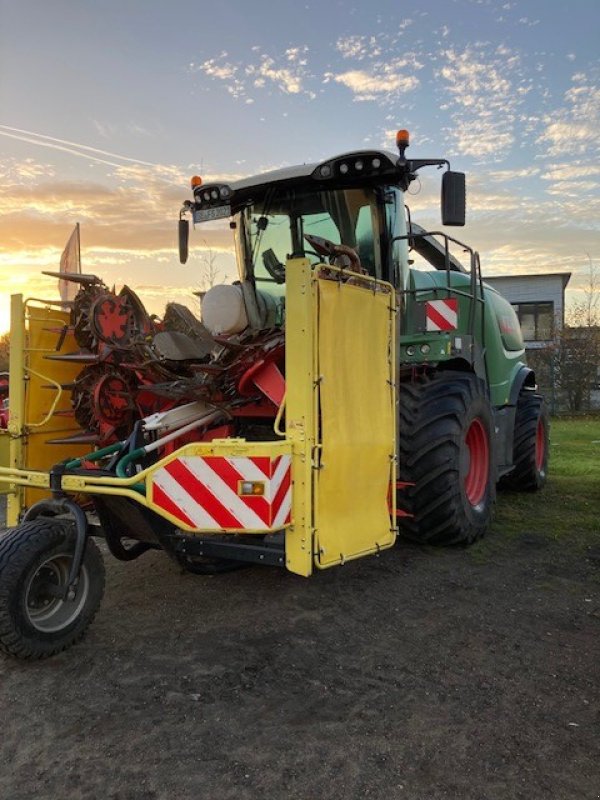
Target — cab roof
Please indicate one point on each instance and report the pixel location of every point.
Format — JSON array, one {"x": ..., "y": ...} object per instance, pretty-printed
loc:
[{"x": 303, "y": 170}]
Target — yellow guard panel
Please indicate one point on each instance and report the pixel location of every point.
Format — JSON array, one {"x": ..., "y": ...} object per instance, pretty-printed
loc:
[
  {"x": 4, "y": 456},
  {"x": 39, "y": 409},
  {"x": 358, "y": 432}
]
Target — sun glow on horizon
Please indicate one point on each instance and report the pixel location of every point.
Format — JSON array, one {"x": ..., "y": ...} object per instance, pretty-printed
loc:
[{"x": 4, "y": 315}]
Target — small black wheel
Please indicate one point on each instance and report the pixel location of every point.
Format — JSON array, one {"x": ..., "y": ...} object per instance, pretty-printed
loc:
[
  {"x": 446, "y": 451},
  {"x": 35, "y": 619},
  {"x": 530, "y": 444}
]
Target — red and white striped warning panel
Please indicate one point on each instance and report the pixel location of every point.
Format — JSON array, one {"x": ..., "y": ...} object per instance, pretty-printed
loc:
[
  {"x": 215, "y": 493},
  {"x": 442, "y": 315}
]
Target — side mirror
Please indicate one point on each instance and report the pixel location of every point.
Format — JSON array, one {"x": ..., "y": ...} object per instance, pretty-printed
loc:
[
  {"x": 454, "y": 198},
  {"x": 184, "y": 235}
]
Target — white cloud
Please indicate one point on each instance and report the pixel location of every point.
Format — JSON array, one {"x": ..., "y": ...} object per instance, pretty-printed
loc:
[
  {"x": 358, "y": 47},
  {"x": 288, "y": 79},
  {"x": 569, "y": 171},
  {"x": 222, "y": 70},
  {"x": 502, "y": 175},
  {"x": 573, "y": 188},
  {"x": 574, "y": 128},
  {"x": 15, "y": 173},
  {"x": 383, "y": 81},
  {"x": 297, "y": 54},
  {"x": 372, "y": 85},
  {"x": 105, "y": 129},
  {"x": 287, "y": 73},
  {"x": 91, "y": 154},
  {"x": 483, "y": 96}
]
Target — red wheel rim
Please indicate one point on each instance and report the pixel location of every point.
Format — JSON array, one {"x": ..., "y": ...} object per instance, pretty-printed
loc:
[
  {"x": 476, "y": 480},
  {"x": 540, "y": 445}
]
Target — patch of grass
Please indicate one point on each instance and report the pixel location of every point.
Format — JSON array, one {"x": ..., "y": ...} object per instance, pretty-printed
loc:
[{"x": 568, "y": 508}]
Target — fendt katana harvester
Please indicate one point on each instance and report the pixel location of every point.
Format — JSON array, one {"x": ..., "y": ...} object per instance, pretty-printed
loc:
[{"x": 331, "y": 397}]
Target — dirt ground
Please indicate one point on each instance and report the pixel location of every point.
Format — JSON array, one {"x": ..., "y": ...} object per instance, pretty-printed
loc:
[{"x": 419, "y": 674}]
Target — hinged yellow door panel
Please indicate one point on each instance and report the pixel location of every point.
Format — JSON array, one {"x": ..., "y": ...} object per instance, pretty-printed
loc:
[
  {"x": 39, "y": 409},
  {"x": 355, "y": 466}
]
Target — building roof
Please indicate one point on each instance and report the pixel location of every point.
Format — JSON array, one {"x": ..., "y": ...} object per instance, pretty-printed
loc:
[{"x": 566, "y": 276}]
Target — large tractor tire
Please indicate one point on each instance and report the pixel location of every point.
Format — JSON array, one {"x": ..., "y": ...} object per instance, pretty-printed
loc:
[
  {"x": 446, "y": 451},
  {"x": 35, "y": 621},
  {"x": 530, "y": 444}
]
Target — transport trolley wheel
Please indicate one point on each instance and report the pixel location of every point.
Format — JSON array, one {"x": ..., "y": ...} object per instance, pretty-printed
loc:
[
  {"x": 530, "y": 444},
  {"x": 446, "y": 451},
  {"x": 36, "y": 621}
]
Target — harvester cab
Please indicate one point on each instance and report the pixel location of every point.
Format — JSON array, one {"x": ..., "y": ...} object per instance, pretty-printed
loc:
[
  {"x": 354, "y": 200},
  {"x": 330, "y": 397},
  {"x": 468, "y": 414}
]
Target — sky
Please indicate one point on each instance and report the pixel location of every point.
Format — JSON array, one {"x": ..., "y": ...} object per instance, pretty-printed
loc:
[{"x": 107, "y": 108}]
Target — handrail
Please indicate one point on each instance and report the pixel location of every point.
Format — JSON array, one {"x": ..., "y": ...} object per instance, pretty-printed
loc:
[
  {"x": 278, "y": 417},
  {"x": 475, "y": 289},
  {"x": 54, "y": 404}
]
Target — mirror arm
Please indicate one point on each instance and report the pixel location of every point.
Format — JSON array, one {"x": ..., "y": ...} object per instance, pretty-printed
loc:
[
  {"x": 408, "y": 168},
  {"x": 183, "y": 231}
]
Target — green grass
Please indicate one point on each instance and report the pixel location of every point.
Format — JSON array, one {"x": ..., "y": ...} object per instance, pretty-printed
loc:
[{"x": 568, "y": 508}]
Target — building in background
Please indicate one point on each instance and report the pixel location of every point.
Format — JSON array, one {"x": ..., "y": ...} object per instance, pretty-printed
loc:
[
  {"x": 566, "y": 359},
  {"x": 539, "y": 301}
]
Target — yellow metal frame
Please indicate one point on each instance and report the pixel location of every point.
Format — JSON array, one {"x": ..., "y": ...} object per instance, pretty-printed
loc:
[
  {"x": 33, "y": 408},
  {"x": 302, "y": 437},
  {"x": 138, "y": 487},
  {"x": 301, "y": 413}
]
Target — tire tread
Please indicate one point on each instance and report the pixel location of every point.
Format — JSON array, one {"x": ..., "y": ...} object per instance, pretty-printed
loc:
[
  {"x": 432, "y": 410},
  {"x": 19, "y": 547}
]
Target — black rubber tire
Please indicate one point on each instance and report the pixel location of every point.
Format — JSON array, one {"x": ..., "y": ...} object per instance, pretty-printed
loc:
[
  {"x": 437, "y": 410},
  {"x": 527, "y": 475},
  {"x": 22, "y": 552}
]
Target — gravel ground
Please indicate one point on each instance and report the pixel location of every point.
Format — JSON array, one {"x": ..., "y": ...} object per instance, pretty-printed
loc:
[{"x": 419, "y": 674}]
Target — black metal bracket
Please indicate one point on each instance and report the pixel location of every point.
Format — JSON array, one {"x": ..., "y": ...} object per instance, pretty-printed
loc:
[
  {"x": 408, "y": 167},
  {"x": 53, "y": 508},
  {"x": 56, "y": 475},
  {"x": 211, "y": 547}
]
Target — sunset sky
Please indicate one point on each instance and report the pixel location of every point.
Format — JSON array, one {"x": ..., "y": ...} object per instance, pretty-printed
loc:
[{"x": 107, "y": 108}]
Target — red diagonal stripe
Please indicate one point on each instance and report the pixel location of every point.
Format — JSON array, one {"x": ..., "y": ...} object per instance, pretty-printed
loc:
[
  {"x": 281, "y": 492},
  {"x": 263, "y": 463},
  {"x": 228, "y": 473},
  {"x": 274, "y": 465},
  {"x": 449, "y": 308},
  {"x": 202, "y": 495},
  {"x": 450, "y": 303},
  {"x": 434, "y": 315},
  {"x": 163, "y": 500}
]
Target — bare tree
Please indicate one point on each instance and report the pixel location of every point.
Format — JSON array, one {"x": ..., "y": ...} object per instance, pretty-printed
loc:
[
  {"x": 210, "y": 273},
  {"x": 4, "y": 351},
  {"x": 588, "y": 312},
  {"x": 577, "y": 347}
]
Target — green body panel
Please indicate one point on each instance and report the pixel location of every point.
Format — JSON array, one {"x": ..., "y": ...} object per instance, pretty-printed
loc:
[{"x": 495, "y": 329}]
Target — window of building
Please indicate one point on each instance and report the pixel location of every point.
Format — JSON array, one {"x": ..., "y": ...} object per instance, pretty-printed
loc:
[{"x": 536, "y": 319}]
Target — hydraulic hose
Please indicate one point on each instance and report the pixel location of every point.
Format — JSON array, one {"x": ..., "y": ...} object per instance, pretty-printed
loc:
[{"x": 139, "y": 452}]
